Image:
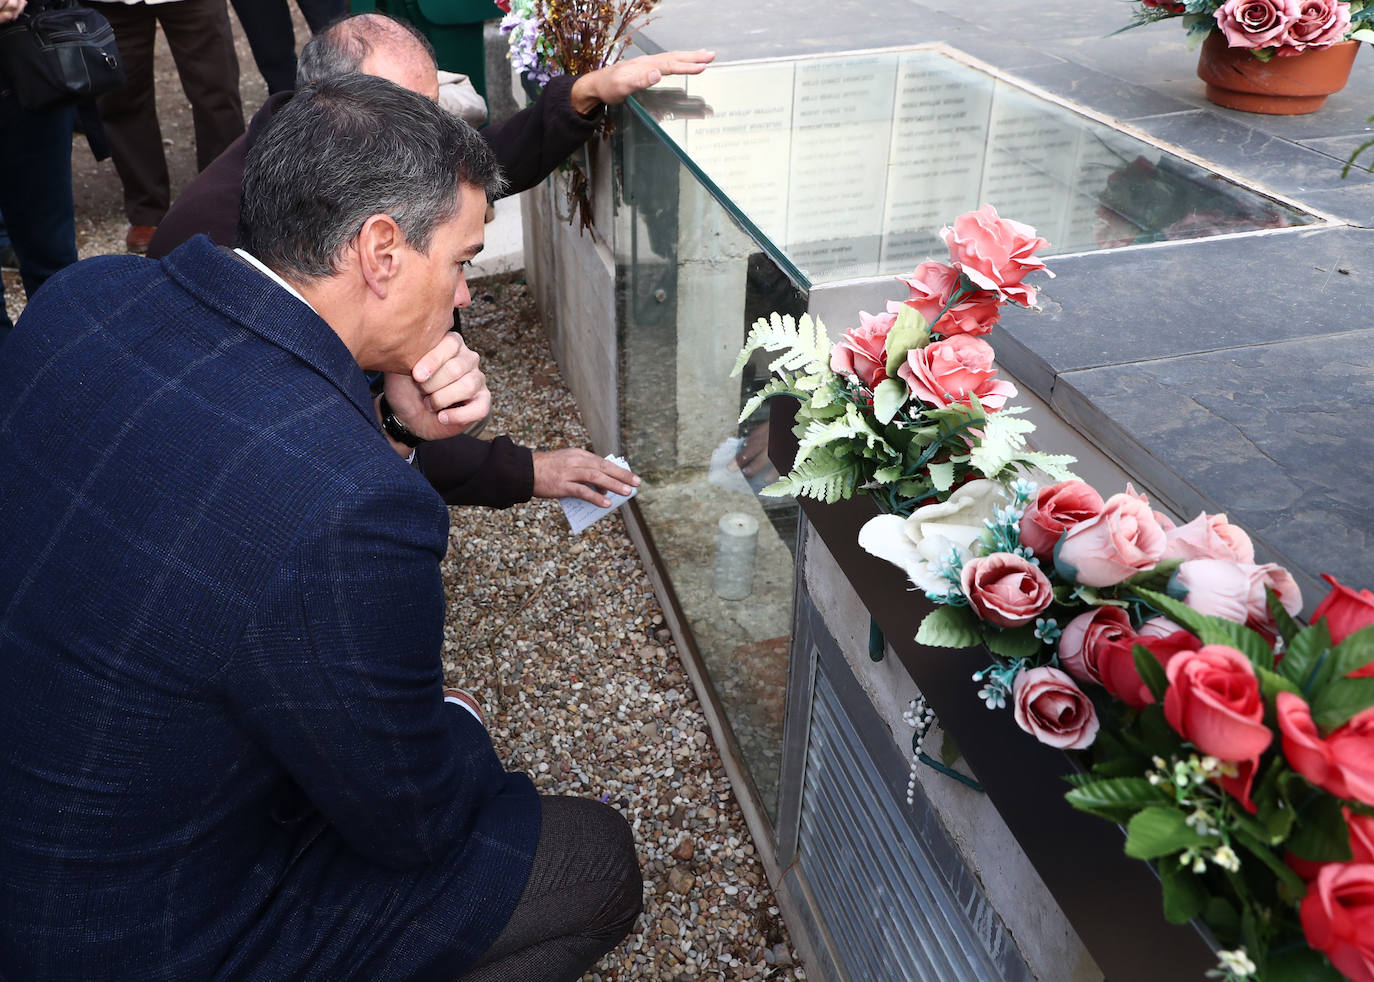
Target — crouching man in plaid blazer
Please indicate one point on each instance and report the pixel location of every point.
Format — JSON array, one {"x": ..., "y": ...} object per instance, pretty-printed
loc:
[{"x": 224, "y": 747}]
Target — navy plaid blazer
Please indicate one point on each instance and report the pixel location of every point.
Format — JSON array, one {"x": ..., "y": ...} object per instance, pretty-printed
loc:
[{"x": 224, "y": 752}]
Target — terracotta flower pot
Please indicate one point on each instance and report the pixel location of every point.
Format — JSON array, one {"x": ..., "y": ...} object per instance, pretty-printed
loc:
[{"x": 1288, "y": 86}]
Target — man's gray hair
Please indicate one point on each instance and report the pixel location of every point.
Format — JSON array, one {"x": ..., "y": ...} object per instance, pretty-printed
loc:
[
  {"x": 343, "y": 150},
  {"x": 344, "y": 45}
]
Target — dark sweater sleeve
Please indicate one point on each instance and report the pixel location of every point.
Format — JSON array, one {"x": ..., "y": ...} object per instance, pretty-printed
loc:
[
  {"x": 537, "y": 139},
  {"x": 467, "y": 471}
]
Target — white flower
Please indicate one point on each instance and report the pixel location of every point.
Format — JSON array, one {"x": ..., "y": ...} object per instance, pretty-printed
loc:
[
  {"x": 1226, "y": 858},
  {"x": 1237, "y": 962},
  {"x": 920, "y": 543}
]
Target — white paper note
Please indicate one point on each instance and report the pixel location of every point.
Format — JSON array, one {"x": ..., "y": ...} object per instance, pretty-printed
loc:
[{"x": 583, "y": 513}]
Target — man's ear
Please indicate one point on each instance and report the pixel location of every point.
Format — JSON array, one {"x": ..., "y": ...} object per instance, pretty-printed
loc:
[{"x": 380, "y": 247}]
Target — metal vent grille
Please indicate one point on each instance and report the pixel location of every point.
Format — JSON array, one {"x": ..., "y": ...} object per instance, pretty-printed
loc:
[{"x": 891, "y": 913}]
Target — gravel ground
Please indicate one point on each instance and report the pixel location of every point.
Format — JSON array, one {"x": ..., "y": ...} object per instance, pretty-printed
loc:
[{"x": 562, "y": 639}]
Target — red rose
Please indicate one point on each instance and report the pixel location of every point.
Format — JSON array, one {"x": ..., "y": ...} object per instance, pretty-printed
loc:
[
  {"x": 1005, "y": 589},
  {"x": 1345, "y": 612},
  {"x": 1213, "y": 701},
  {"x": 1361, "y": 828},
  {"x": 1049, "y": 707},
  {"x": 1116, "y": 664},
  {"x": 1338, "y": 918},
  {"x": 995, "y": 253},
  {"x": 1343, "y": 763},
  {"x": 951, "y": 370},
  {"x": 862, "y": 351},
  {"x": 932, "y": 284},
  {"x": 1084, "y": 637},
  {"x": 1053, "y": 511}
]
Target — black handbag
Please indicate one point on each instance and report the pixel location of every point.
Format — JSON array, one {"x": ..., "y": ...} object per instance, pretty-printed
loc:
[{"x": 58, "y": 56}]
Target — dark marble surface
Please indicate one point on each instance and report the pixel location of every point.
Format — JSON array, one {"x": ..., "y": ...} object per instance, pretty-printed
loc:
[
  {"x": 1277, "y": 436},
  {"x": 1226, "y": 375}
]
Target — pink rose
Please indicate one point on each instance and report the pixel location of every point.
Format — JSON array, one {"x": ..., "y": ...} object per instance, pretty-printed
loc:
[
  {"x": 1320, "y": 23},
  {"x": 1213, "y": 701},
  {"x": 1165, "y": 522},
  {"x": 932, "y": 284},
  {"x": 1122, "y": 540},
  {"x": 949, "y": 371},
  {"x": 1361, "y": 829},
  {"x": 1208, "y": 537},
  {"x": 1158, "y": 627},
  {"x": 1053, "y": 511},
  {"x": 1235, "y": 591},
  {"x": 1338, "y": 918},
  {"x": 861, "y": 351},
  {"x": 1343, "y": 763},
  {"x": 1080, "y": 646},
  {"x": 995, "y": 253},
  {"x": 1116, "y": 663},
  {"x": 1256, "y": 23},
  {"x": 1049, "y": 707},
  {"x": 1005, "y": 589},
  {"x": 1345, "y": 612}
]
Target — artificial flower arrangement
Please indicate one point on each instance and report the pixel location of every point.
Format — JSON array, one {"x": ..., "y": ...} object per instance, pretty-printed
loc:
[
  {"x": 908, "y": 405},
  {"x": 1266, "y": 27},
  {"x": 1235, "y": 746},
  {"x": 571, "y": 37}
]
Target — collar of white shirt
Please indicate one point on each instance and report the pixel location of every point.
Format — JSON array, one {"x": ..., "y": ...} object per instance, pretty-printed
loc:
[{"x": 257, "y": 264}]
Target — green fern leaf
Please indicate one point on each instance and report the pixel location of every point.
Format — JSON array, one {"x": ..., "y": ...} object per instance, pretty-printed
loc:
[
  {"x": 805, "y": 344},
  {"x": 824, "y": 477},
  {"x": 1055, "y": 466},
  {"x": 1003, "y": 440},
  {"x": 775, "y": 387}
]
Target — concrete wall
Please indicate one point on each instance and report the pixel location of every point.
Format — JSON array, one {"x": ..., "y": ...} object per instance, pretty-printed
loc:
[
  {"x": 571, "y": 274},
  {"x": 1042, "y": 934}
]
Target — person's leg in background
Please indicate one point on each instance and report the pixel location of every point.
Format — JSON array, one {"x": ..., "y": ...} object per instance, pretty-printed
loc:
[
  {"x": 581, "y": 900},
  {"x": 202, "y": 44},
  {"x": 130, "y": 117},
  {"x": 267, "y": 23},
  {"x": 319, "y": 14},
  {"x": 36, "y": 195},
  {"x": 8, "y": 260}
]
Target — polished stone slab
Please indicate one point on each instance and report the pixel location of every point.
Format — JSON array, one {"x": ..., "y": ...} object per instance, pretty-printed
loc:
[
  {"x": 1124, "y": 306},
  {"x": 1277, "y": 436}
]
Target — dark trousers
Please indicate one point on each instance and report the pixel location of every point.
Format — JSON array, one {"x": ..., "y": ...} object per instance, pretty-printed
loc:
[
  {"x": 36, "y": 195},
  {"x": 202, "y": 46},
  {"x": 267, "y": 24},
  {"x": 582, "y": 898}
]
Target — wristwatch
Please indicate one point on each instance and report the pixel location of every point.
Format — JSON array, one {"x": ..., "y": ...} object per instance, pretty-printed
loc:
[{"x": 394, "y": 428}]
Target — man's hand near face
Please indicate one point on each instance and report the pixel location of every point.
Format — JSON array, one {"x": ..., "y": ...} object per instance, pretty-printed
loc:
[{"x": 444, "y": 394}]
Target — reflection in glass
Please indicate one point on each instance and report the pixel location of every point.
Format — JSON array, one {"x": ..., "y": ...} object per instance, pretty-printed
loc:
[
  {"x": 691, "y": 281},
  {"x": 849, "y": 165}
]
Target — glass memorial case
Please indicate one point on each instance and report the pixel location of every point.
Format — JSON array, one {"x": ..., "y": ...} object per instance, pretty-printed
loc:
[{"x": 753, "y": 183}]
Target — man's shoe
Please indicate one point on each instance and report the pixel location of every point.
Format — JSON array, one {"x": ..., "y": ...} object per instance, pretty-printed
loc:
[
  {"x": 466, "y": 700},
  {"x": 138, "y": 237}
]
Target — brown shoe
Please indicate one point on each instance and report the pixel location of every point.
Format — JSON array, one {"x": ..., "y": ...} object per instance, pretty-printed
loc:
[{"x": 138, "y": 237}]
